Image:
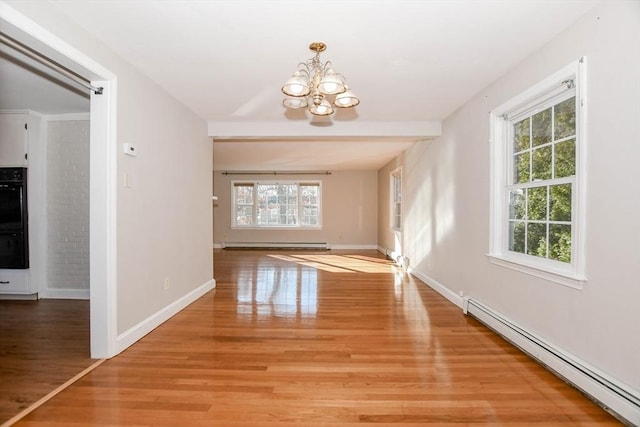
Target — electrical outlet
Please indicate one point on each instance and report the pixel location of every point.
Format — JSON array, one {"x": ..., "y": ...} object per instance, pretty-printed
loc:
[{"x": 166, "y": 283}]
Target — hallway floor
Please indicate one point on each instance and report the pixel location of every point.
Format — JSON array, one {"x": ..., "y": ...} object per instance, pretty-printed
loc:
[{"x": 318, "y": 338}]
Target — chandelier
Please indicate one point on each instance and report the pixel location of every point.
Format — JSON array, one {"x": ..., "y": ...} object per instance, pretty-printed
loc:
[{"x": 314, "y": 85}]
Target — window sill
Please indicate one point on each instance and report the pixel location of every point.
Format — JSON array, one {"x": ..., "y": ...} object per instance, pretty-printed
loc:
[{"x": 574, "y": 281}]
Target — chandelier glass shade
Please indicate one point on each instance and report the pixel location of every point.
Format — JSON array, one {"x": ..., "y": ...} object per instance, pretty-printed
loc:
[{"x": 316, "y": 86}]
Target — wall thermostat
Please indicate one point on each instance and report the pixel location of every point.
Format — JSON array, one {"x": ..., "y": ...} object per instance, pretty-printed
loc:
[{"x": 130, "y": 149}]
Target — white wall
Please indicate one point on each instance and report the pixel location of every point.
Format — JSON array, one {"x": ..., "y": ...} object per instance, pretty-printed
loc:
[
  {"x": 164, "y": 222},
  {"x": 446, "y": 200},
  {"x": 67, "y": 210},
  {"x": 349, "y": 211},
  {"x": 165, "y": 217}
]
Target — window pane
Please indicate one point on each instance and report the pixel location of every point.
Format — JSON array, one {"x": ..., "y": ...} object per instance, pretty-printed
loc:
[
  {"x": 244, "y": 204},
  {"x": 516, "y": 236},
  {"x": 267, "y": 198},
  {"x": 560, "y": 242},
  {"x": 277, "y": 204},
  {"x": 397, "y": 215},
  {"x": 244, "y": 194},
  {"x": 310, "y": 201},
  {"x": 565, "y": 158},
  {"x": 565, "y": 118},
  {"x": 541, "y": 163},
  {"x": 244, "y": 215},
  {"x": 288, "y": 204},
  {"x": 541, "y": 127},
  {"x": 521, "y": 135},
  {"x": 560, "y": 203},
  {"x": 537, "y": 239},
  {"x": 309, "y": 215},
  {"x": 537, "y": 203},
  {"x": 309, "y": 194},
  {"x": 397, "y": 188},
  {"x": 517, "y": 204},
  {"x": 521, "y": 169}
]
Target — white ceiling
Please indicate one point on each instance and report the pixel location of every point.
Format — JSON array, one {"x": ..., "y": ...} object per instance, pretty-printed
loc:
[
  {"x": 408, "y": 61},
  {"x": 27, "y": 85}
]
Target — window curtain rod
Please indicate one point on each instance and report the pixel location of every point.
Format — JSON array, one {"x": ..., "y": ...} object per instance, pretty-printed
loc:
[
  {"x": 37, "y": 56},
  {"x": 276, "y": 173}
]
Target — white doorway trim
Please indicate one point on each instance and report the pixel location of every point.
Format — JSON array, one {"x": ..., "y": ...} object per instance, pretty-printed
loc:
[{"x": 103, "y": 177}]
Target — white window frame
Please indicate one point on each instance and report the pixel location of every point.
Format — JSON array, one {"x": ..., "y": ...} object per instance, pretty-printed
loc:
[
  {"x": 538, "y": 97},
  {"x": 395, "y": 199},
  {"x": 255, "y": 225}
]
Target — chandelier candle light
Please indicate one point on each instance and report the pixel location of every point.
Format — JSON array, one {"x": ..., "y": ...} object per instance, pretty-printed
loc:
[{"x": 313, "y": 81}]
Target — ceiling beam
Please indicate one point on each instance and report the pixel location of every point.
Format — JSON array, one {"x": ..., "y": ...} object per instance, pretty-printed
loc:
[{"x": 333, "y": 129}]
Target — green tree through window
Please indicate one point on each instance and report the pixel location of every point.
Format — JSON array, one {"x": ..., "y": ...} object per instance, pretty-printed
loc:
[{"x": 540, "y": 192}]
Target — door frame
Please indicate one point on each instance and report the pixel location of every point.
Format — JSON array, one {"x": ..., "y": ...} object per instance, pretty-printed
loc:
[{"x": 102, "y": 176}]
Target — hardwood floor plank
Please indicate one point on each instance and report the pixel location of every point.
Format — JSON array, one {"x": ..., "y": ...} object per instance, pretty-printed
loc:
[
  {"x": 302, "y": 338},
  {"x": 43, "y": 344}
]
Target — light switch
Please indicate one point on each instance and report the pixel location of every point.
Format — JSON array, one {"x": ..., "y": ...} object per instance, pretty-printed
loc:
[{"x": 127, "y": 180}]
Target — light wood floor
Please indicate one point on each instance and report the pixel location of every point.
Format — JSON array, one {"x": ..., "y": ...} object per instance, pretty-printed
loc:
[
  {"x": 318, "y": 339},
  {"x": 42, "y": 345}
]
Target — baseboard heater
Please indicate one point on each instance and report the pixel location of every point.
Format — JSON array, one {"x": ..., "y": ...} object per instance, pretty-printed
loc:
[
  {"x": 276, "y": 245},
  {"x": 615, "y": 397}
]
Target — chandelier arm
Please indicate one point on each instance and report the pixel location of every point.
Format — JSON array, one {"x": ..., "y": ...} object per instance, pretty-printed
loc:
[{"x": 304, "y": 71}]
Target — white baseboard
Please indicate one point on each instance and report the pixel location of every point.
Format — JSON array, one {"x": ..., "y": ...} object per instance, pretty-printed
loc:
[
  {"x": 439, "y": 288},
  {"x": 132, "y": 335},
  {"x": 616, "y": 397},
  {"x": 19, "y": 297},
  {"x": 276, "y": 245},
  {"x": 346, "y": 247},
  {"x": 64, "y": 294},
  {"x": 353, "y": 247}
]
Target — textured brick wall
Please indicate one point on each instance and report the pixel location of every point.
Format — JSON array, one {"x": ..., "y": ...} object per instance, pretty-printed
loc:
[{"x": 68, "y": 204}]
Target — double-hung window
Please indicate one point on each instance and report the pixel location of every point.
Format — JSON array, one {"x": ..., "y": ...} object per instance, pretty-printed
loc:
[
  {"x": 537, "y": 204},
  {"x": 396, "y": 199},
  {"x": 276, "y": 204}
]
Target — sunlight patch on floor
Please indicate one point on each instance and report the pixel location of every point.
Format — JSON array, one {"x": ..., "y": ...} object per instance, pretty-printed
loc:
[
  {"x": 325, "y": 267},
  {"x": 341, "y": 263},
  {"x": 284, "y": 257}
]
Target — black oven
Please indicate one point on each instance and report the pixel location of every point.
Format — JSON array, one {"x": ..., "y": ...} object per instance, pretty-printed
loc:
[{"x": 14, "y": 224}]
